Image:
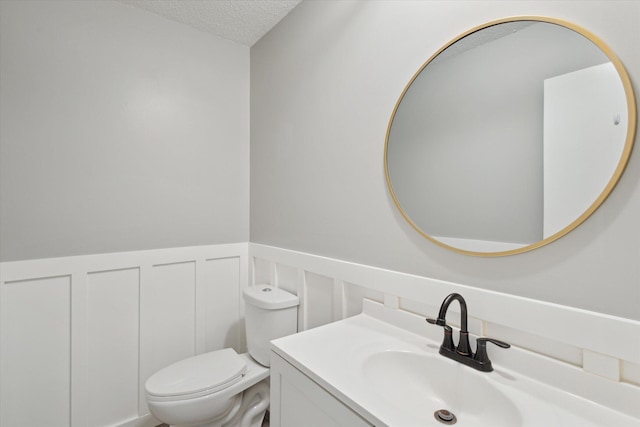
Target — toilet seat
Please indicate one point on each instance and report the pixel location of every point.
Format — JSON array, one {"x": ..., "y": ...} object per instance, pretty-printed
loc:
[{"x": 197, "y": 376}]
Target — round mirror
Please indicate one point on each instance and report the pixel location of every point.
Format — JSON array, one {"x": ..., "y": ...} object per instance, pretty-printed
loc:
[{"x": 510, "y": 136}]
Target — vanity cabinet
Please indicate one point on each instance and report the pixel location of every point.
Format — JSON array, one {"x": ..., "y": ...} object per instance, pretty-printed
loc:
[{"x": 296, "y": 401}]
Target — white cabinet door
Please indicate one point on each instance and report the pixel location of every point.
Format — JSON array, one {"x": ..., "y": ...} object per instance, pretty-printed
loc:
[{"x": 298, "y": 401}]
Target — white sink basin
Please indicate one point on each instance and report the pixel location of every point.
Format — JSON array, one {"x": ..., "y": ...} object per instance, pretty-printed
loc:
[{"x": 422, "y": 384}]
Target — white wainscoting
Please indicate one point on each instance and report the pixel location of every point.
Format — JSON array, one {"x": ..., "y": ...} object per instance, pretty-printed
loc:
[
  {"x": 332, "y": 289},
  {"x": 79, "y": 336}
]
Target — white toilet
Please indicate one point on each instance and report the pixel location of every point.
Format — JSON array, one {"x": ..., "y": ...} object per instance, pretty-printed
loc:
[{"x": 223, "y": 388}]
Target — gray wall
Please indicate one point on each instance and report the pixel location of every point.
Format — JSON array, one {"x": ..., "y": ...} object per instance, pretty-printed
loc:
[
  {"x": 120, "y": 130},
  {"x": 323, "y": 86}
]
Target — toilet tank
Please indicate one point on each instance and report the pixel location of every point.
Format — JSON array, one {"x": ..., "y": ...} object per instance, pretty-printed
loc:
[{"x": 270, "y": 313}]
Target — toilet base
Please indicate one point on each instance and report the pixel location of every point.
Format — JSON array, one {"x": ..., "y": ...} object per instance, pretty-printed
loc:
[
  {"x": 255, "y": 402},
  {"x": 248, "y": 409}
]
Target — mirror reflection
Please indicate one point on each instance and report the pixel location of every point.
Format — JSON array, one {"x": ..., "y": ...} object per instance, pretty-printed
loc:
[{"x": 510, "y": 137}]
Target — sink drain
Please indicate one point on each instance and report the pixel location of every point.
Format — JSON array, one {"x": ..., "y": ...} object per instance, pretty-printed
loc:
[{"x": 445, "y": 417}]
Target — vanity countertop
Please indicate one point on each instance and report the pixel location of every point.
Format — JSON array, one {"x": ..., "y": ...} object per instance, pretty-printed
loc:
[{"x": 384, "y": 365}]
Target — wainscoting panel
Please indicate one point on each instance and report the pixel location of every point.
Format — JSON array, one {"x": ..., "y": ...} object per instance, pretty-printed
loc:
[
  {"x": 79, "y": 336},
  {"x": 353, "y": 296},
  {"x": 36, "y": 331},
  {"x": 223, "y": 324},
  {"x": 170, "y": 299},
  {"x": 319, "y": 294},
  {"x": 113, "y": 299}
]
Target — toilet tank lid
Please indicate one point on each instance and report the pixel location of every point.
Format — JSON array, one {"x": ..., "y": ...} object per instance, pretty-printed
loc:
[{"x": 270, "y": 298}]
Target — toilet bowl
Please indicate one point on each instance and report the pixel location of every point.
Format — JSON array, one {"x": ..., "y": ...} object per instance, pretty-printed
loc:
[
  {"x": 223, "y": 388},
  {"x": 209, "y": 390}
]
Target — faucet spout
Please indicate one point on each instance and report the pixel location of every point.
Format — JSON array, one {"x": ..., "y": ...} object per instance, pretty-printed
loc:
[
  {"x": 463, "y": 347},
  {"x": 445, "y": 306}
]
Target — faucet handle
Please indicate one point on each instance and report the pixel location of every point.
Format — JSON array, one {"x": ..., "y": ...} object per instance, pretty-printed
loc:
[
  {"x": 447, "y": 341},
  {"x": 481, "y": 350},
  {"x": 439, "y": 321}
]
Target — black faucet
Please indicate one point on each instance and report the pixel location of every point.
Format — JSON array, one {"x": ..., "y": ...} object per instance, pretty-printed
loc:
[{"x": 462, "y": 353}]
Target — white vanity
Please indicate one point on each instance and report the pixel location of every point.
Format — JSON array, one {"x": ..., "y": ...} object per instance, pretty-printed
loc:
[
  {"x": 296, "y": 400},
  {"x": 382, "y": 368}
]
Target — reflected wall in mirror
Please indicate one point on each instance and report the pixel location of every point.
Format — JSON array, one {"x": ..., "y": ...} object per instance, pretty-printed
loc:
[{"x": 510, "y": 136}]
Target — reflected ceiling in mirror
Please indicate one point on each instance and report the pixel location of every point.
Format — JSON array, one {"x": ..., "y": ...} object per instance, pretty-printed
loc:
[{"x": 510, "y": 136}]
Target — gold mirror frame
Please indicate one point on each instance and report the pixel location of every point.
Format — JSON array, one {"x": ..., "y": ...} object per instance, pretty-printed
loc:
[{"x": 624, "y": 158}]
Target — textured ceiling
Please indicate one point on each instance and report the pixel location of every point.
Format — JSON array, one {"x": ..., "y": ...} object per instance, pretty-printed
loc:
[{"x": 243, "y": 21}]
